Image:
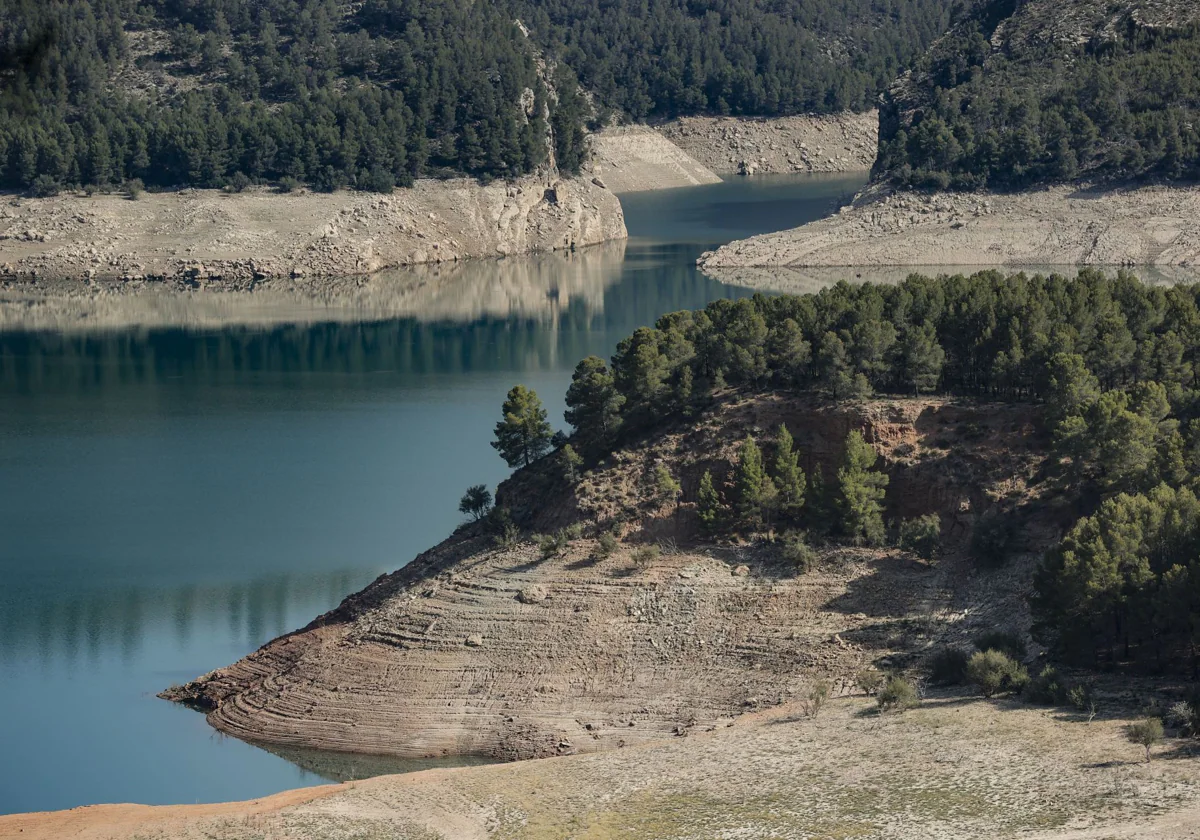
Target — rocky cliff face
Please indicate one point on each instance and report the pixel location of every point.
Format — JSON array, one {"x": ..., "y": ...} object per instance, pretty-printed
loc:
[
  {"x": 474, "y": 648},
  {"x": 211, "y": 237}
]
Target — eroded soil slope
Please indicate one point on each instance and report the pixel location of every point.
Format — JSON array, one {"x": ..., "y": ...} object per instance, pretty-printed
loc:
[{"x": 478, "y": 649}]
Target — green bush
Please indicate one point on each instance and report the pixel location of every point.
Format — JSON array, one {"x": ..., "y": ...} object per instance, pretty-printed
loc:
[
  {"x": 666, "y": 488},
  {"x": 798, "y": 553},
  {"x": 948, "y": 666},
  {"x": 898, "y": 694},
  {"x": 45, "y": 186},
  {"x": 922, "y": 536},
  {"x": 815, "y": 698},
  {"x": 606, "y": 544},
  {"x": 1145, "y": 733},
  {"x": 993, "y": 540},
  {"x": 134, "y": 188},
  {"x": 992, "y": 672},
  {"x": 1005, "y": 641},
  {"x": 646, "y": 555},
  {"x": 505, "y": 531},
  {"x": 288, "y": 184},
  {"x": 1049, "y": 688},
  {"x": 238, "y": 182}
]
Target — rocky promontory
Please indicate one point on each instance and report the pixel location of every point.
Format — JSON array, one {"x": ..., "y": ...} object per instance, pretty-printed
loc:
[
  {"x": 209, "y": 236},
  {"x": 517, "y": 648}
]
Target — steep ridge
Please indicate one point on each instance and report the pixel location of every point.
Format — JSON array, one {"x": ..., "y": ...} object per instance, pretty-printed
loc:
[{"x": 498, "y": 651}]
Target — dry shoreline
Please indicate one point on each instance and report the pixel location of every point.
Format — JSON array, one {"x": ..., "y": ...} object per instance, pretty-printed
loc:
[
  {"x": 1064, "y": 225},
  {"x": 208, "y": 236},
  {"x": 955, "y": 769}
]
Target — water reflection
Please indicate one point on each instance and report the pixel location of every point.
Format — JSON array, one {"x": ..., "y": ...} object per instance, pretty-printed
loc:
[
  {"x": 535, "y": 287},
  {"x": 63, "y": 629}
]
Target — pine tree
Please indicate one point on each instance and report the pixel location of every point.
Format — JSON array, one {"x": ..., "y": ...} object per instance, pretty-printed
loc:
[
  {"x": 708, "y": 502},
  {"x": 922, "y": 359},
  {"x": 523, "y": 435},
  {"x": 593, "y": 406},
  {"x": 476, "y": 502},
  {"x": 753, "y": 488},
  {"x": 861, "y": 490},
  {"x": 789, "y": 478}
]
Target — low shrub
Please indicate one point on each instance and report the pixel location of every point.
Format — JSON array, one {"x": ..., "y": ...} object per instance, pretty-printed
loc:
[
  {"x": 798, "y": 553},
  {"x": 898, "y": 694},
  {"x": 45, "y": 186},
  {"x": 1005, "y": 641},
  {"x": 994, "y": 539},
  {"x": 288, "y": 184},
  {"x": 1145, "y": 733},
  {"x": 992, "y": 672},
  {"x": 948, "y": 666},
  {"x": 922, "y": 536},
  {"x": 1049, "y": 688},
  {"x": 815, "y": 698},
  {"x": 606, "y": 544},
  {"x": 134, "y": 188},
  {"x": 869, "y": 681},
  {"x": 646, "y": 555}
]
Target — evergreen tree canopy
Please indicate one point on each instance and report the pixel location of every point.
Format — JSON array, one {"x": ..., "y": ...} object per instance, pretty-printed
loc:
[
  {"x": 861, "y": 492},
  {"x": 1004, "y": 101},
  {"x": 523, "y": 435}
]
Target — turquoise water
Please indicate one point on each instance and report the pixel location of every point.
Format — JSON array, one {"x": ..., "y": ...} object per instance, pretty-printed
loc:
[{"x": 171, "y": 498}]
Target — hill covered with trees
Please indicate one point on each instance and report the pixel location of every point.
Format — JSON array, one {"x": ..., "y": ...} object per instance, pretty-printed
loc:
[
  {"x": 1026, "y": 93},
  {"x": 1110, "y": 363},
  {"x": 224, "y": 93}
]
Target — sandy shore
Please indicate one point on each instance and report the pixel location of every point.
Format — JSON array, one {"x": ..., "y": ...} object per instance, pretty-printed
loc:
[
  {"x": 1147, "y": 226},
  {"x": 203, "y": 235}
]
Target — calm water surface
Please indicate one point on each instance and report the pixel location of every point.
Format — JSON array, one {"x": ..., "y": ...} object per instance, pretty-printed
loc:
[{"x": 170, "y": 499}]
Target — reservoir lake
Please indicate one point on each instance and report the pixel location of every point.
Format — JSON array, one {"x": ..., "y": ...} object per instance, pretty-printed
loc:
[{"x": 176, "y": 491}]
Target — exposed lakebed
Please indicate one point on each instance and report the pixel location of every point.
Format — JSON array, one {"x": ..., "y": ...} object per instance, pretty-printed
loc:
[{"x": 179, "y": 492}]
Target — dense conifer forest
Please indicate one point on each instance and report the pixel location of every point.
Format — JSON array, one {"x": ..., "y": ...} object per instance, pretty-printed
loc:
[
  {"x": 1121, "y": 104},
  {"x": 224, "y": 93}
]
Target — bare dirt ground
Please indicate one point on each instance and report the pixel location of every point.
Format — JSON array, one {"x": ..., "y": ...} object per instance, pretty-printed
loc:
[
  {"x": 957, "y": 767},
  {"x": 738, "y": 146},
  {"x": 1152, "y": 226},
  {"x": 237, "y": 239}
]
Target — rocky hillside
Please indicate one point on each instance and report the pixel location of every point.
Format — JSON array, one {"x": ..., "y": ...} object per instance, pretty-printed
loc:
[{"x": 508, "y": 651}]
